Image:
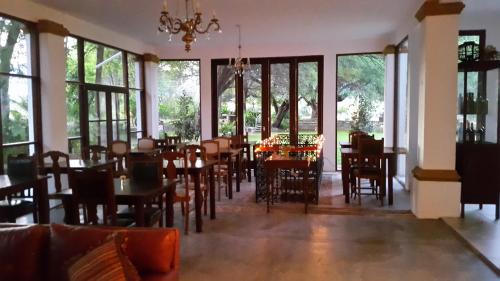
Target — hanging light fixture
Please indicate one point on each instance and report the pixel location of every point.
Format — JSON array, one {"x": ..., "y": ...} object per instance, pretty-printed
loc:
[
  {"x": 189, "y": 25},
  {"x": 238, "y": 63}
]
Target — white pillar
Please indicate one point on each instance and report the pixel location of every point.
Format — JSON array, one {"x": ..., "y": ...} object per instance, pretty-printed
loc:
[
  {"x": 436, "y": 190},
  {"x": 389, "y": 52},
  {"x": 53, "y": 93},
  {"x": 152, "y": 115}
]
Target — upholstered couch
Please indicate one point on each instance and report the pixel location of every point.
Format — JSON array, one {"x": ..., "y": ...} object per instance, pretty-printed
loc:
[{"x": 44, "y": 252}]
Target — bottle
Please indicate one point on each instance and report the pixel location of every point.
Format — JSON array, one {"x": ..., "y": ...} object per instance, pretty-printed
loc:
[{"x": 472, "y": 133}]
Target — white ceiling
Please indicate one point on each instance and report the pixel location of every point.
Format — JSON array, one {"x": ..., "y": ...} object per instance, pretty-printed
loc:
[{"x": 262, "y": 21}]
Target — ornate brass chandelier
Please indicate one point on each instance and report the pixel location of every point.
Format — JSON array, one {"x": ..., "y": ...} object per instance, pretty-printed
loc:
[
  {"x": 239, "y": 65},
  {"x": 190, "y": 25}
]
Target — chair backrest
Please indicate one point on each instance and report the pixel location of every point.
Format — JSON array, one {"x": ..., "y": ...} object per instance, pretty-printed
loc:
[
  {"x": 224, "y": 142},
  {"x": 192, "y": 151},
  {"x": 237, "y": 141},
  {"x": 163, "y": 145},
  {"x": 146, "y": 143},
  {"x": 119, "y": 151},
  {"x": 94, "y": 186},
  {"x": 355, "y": 133},
  {"x": 371, "y": 152},
  {"x": 55, "y": 158},
  {"x": 173, "y": 139},
  {"x": 145, "y": 167},
  {"x": 22, "y": 166},
  {"x": 212, "y": 150},
  {"x": 96, "y": 152},
  {"x": 170, "y": 170},
  {"x": 356, "y": 138}
]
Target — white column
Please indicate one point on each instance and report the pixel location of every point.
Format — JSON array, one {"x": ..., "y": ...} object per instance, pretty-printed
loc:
[
  {"x": 151, "y": 83},
  {"x": 53, "y": 93},
  {"x": 436, "y": 190},
  {"x": 389, "y": 52}
]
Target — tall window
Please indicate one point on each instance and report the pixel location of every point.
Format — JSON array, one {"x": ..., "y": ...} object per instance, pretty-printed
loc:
[
  {"x": 104, "y": 94},
  {"x": 360, "y": 96},
  {"x": 275, "y": 96},
  {"x": 18, "y": 88},
  {"x": 401, "y": 108},
  {"x": 179, "y": 99}
]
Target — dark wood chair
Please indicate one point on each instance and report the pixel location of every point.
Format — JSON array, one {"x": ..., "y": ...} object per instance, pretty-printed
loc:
[
  {"x": 237, "y": 141},
  {"x": 20, "y": 204},
  {"x": 95, "y": 152},
  {"x": 164, "y": 145},
  {"x": 146, "y": 168},
  {"x": 355, "y": 133},
  {"x": 370, "y": 165},
  {"x": 93, "y": 187},
  {"x": 192, "y": 151},
  {"x": 118, "y": 151},
  {"x": 173, "y": 139},
  {"x": 212, "y": 152},
  {"x": 146, "y": 143},
  {"x": 182, "y": 192},
  {"x": 355, "y": 137},
  {"x": 56, "y": 158}
]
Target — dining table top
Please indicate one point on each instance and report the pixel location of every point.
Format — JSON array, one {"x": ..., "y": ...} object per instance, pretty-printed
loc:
[
  {"x": 387, "y": 150},
  {"x": 130, "y": 188},
  {"x": 82, "y": 163},
  {"x": 7, "y": 182},
  {"x": 196, "y": 165}
]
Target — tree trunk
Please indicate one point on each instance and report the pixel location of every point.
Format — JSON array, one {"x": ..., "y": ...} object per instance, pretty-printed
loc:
[{"x": 280, "y": 114}]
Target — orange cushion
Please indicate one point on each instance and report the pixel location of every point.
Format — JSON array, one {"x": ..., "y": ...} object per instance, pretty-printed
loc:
[
  {"x": 21, "y": 254},
  {"x": 106, "y": 262}
]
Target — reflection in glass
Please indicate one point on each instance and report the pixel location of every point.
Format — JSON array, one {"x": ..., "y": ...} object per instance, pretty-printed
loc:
[
  {"x": 15, "y": 46},
  {"x": 280, "y": 102},
  {"x": 134, "y": 71},
  {"x": 71, "y": 49},
  {"x": 103, "y": 65},
  {"x": 226, "y": 97}
]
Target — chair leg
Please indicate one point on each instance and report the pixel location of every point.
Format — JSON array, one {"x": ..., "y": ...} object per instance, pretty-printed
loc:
[
  {"x": 359, "y": 191},
  {"x": 183, "y": 210},
  {"x": 186, "y": 219},
  {"x": 205, "y": 195},
  {"x": 462, "y": 210}
]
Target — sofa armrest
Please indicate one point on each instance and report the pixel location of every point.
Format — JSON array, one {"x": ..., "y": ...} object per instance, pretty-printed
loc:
[{"x": 171, "y": 276}]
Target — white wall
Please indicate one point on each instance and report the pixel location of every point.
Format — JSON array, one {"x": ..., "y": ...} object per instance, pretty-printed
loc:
[{"x": 210, "y": 50}]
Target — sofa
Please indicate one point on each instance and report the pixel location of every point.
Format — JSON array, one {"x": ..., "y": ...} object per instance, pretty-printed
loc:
[{"x": 45, "y": 252}]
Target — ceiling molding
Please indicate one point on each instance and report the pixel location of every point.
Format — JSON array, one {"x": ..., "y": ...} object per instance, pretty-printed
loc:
[
  {"x": 48, "y": 26},
  {"x": 434, "y": 8},
  {"x": 389, "y": 50},
  {"x": 151, "y": 58}
]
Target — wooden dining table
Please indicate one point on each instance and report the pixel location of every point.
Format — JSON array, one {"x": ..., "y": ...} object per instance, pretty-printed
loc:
[
  {"x": 195, "y": 170},
  {"x": 78, "y": 164},
  {"x": 228, "y": 154},
  {"x": 10, "y": 185},
  {"x": 390, "y": 153},
  {"x": 127, "y": 192}
]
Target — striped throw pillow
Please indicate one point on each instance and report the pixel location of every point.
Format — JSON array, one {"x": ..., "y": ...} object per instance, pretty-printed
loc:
[{"x": 106, "y": 262}]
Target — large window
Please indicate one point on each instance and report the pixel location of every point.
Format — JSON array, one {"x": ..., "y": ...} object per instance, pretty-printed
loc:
[
  {"x": 274, "y": 96},
  {"x": 104, "y": 94},
  {"x": 179, "y": 99},
  {"x": 360, "y": 96},
  {"x": 19, "y": 98}
]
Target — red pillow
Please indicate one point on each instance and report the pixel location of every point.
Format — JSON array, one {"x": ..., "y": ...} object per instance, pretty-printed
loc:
[{"x": 21, "y": 252}]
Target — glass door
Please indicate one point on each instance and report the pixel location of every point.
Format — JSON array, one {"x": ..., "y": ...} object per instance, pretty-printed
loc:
[
  {"x": 119, "y": 116},
  {"x": 308, "y": 97},
  {"x": 280, "y": 98},
  {"x": 97, "y": 118},
  {"x": 252, "y": 103},
  {"x": 226, "y": 100}
]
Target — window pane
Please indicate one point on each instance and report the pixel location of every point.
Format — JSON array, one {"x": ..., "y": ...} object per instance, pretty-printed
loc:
[
  {"x": 360, "y": 96},
  {"x": 73, "y": 109},
  {"x": 280, "y": 102},
  {"x": 252, "y": 90},
  {"x": 179, "y": 99},
  {"x": 71, "y": 47},
  {"x": 103, "y": 65},
  {"x": 134, "y": 71},
  {"x": 134, "y": 136},
  {"x": 14, "y": 47},
  {"x": 17, "y": 109},
  {"x": 75, "y": 147},
  {"x": 135, "y": 110},
  {"x": 308, "y": 97}
]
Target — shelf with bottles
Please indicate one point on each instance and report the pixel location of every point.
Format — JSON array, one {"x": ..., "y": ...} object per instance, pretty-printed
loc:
[
  {"x": 473, "y": 106},
  {"x": 473, "y": 133}
]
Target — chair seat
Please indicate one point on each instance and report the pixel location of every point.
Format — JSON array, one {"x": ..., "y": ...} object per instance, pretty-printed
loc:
[{"x": 151, "y": 215}]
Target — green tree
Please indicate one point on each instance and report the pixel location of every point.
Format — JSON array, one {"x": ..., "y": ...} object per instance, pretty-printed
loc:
[{"x": 186, "y": 125}]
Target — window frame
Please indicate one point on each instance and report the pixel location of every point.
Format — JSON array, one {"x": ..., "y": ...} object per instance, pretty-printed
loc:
[{"x": 37, "y": 141}]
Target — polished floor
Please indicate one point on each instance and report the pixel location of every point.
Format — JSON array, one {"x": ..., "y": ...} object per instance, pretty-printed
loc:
[{"x": 245, "y": 243}]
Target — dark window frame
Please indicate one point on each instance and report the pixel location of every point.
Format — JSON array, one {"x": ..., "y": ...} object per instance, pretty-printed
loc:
[
  {"x": 35, "y": 91},
  {"x": 266, "y": 105}
]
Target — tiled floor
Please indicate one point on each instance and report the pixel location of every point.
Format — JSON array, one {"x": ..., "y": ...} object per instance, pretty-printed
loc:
[{"x": 481, "y": 231}]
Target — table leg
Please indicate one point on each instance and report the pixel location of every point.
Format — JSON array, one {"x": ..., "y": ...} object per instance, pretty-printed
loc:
[
  {"x": 169, "y": 207},
  {"x": 198, "y": 202},
  {"x": 238, "y": 172},
  {"x": 139, "y": 212},
  {"x": 230, "y": 177},
  {"x": 345, "y": 177},
  {"x": 248, "y": 164},
  {"x": 392, "y": 173},
  {"x": 42, "y": 201},
  {"x": 212, "y": 192}
]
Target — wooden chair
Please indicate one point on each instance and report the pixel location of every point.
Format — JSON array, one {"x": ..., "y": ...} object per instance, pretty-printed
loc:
[
  {"x": 93, "y": 187},
  {"x": 192, "y": 151},
  {"x": 20, "y": 204},
  {"x": 355, "y": 133},
  {"x": 355, "y": 136},
  {"x": 145, "y": 144},
  {"x": 370, "y": 165},
  {"x": 173, "y": 139},
  {"x": 182, "y": 192},
  {"x": 146, "y": 168},
  {"x": 119, "y": 150},
  {"x": 224, "y": 142},
  {"x": 95, "y": 152},
  {"x": 212, "y": 152},
  {"x": 56, "y": 157}
]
